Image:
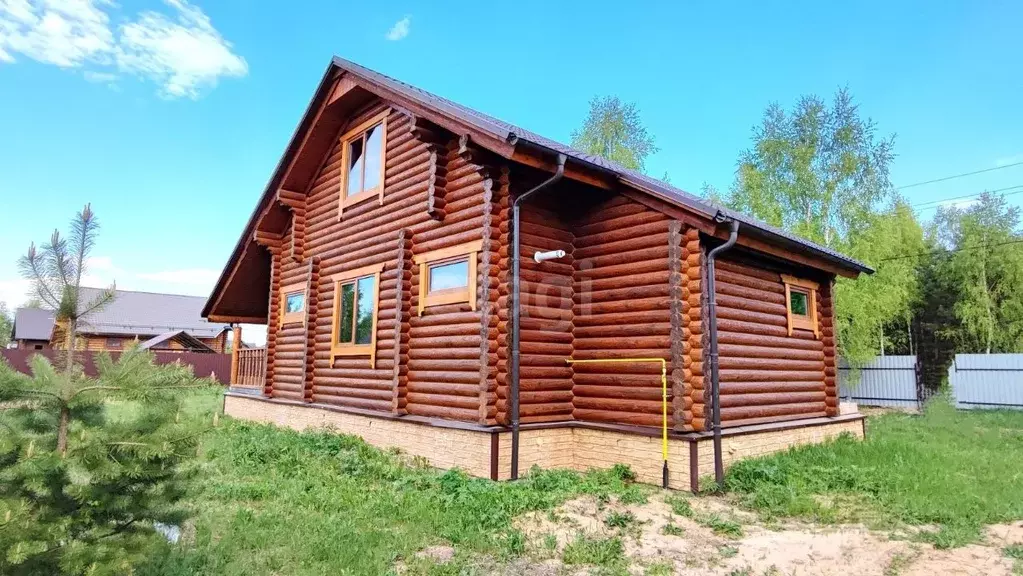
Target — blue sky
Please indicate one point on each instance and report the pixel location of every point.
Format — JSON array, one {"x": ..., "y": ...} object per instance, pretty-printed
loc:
[{"x": 168, "y": 116}]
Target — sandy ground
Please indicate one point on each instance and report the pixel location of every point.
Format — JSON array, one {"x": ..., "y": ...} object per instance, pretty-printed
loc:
[{"x": 789, "y": 549}]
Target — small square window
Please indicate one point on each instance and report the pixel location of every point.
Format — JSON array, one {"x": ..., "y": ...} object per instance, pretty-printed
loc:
[
  {"x": 801, "y": 304},
  {"x": 293, "y": 303},
  {"x": 798, "y": 302},
  {"x": 448, "y": 276},
  {"x": 113, "y": 343}
]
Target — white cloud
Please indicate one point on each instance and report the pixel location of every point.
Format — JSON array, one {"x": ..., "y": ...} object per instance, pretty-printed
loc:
[
  {"x": 400, "y": 29},
  {"x": 184, "y": 53},
  {"x": 14, "y": 292},
  {"x": 99, "y": 77},
  {"x": 65, "y": 33},
  {"x": 1009, "y": 160},
  {"x": 184, "y": 56}
]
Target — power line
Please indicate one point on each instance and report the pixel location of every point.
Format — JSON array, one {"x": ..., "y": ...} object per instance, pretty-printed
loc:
[
  {"x": 963, "y": 175},
  {"x": 935, "y": 203},
  {"x": 964, "y": 249}
]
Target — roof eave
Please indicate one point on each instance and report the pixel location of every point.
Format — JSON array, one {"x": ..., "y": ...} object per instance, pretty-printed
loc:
[{"x": 273, "y": 183}]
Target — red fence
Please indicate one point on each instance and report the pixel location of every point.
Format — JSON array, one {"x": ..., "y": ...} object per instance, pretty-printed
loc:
[{"x": 202, "y": 364}]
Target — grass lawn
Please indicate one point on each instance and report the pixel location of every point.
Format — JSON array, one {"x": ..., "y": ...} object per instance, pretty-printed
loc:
[
  {"x": 953, "y": 469},
  {"x": 274, "y": 501}
]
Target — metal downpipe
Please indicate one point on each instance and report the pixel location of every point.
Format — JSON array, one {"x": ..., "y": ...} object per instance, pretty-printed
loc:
[
  {"x": 715, "y": 382},
  {"x": 514, "y": 308}
]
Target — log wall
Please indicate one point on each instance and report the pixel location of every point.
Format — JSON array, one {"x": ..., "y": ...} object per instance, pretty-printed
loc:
[
  {"x": 621, "y": 310},
  {"x": 766, "y": 374},
  {"x": 427, "y": 365},
  {"x": 632, "y": 285},
  {"x": 545, "y": 379}
]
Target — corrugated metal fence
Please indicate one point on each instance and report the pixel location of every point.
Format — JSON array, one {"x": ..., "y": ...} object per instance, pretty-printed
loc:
[
  {"x": 987, "y": 380},
  {"x": 885, "y": 381},
  {"x": 217, "y": 365}
]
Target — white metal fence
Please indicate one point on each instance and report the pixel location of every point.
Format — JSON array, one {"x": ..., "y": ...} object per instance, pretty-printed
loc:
[
  {"x": 987, "y": 381},
  {"x": 885, "y": 381}
]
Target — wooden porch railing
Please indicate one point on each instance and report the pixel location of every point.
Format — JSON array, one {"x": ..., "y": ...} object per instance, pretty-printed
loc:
[{"x": 251, "y": 368}]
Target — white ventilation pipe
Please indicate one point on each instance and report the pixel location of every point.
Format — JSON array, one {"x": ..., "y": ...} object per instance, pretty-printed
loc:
[{"x": 549, "y": 255}]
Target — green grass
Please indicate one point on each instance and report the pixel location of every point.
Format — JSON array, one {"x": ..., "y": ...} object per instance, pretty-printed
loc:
[
  {"x": 721, "y": 526},
  {"x": 680, "y": 505},
  {"x": 617, "y": 519},
  {"x": 586, "y": 549},
  {"x": 955, "y": 469},
  {"x": 274, "y": 501}
]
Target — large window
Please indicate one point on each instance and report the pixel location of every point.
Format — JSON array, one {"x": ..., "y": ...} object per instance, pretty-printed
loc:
[
  {"x": 293, "y": 303},
  {"x": 801, "y": 304},
  {"x": 362, "y": 162},
  {"x": 448, "y": 276},
  {"x": 354, "y": 328}
]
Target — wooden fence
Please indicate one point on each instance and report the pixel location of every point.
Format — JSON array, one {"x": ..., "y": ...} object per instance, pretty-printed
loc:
[
  {"x": 251, "y": 368},
  {"x": 203, "y": 365}
]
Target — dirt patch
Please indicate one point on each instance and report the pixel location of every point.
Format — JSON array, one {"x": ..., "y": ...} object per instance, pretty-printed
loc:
[{"x": 655, "y": 536}]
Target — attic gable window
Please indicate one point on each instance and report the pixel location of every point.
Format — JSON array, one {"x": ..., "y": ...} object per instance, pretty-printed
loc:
[
  {"x": 801, "y": 304},
  {"x": 362, "y": 162},
  {"x": 356, "y": 306}
]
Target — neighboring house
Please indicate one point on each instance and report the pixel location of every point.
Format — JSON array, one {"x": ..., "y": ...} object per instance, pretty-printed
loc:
[
  {"x": 379, "y": 257},
  {"x": 169, "y": 322},
  {"x": 32, "y": 329}
]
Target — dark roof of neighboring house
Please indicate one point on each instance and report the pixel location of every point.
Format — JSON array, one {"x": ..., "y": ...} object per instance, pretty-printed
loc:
[
  {"x": 189, "y": 343},
  {"x": 511, "y": 133},
  {"x": 33, "y": 324},
  {"x": 133, "y": 313}
]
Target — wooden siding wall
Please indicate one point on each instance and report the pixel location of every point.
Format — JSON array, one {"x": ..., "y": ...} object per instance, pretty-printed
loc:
[
  {"x": 621, "y": 310},
  {"x": 766, "y": 374},
  {"x": 433, "y": 198}
]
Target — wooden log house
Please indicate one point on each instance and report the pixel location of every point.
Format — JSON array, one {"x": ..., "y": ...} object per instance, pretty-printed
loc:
[{"x": 380, "y": 258}]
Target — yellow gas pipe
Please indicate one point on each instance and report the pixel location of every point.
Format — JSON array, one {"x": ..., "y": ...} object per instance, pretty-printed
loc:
[{"x": 664, "y": 403}]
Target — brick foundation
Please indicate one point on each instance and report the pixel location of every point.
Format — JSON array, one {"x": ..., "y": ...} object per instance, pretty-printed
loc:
[{"x": 575, "y": 445}]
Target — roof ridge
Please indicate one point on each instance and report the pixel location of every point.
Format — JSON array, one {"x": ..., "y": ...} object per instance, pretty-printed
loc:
[
  {"x": 118, "y": 290},
  {"x": 660, "y": 187}
]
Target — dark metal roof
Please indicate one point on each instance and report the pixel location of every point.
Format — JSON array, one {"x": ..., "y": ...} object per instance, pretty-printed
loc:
[
  {"x": 512, "y": 133},
  {"x": 133, "y": 313},
  {"x": 33, "y": 324}
]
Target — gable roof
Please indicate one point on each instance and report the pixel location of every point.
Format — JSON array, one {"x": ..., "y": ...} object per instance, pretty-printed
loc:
[
  {"x": 33, "y": 324},
  {"x": 188, "y": 342},
  {"x": 133, "y": 313},
  {"x": 514, "y": 135}
]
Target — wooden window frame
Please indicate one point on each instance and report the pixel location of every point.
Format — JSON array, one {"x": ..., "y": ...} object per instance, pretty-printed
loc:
[
  {"x": 799, "y": 321},
  {"x": 347, "y": 138},
  {"x": 468, "y": 251},
  {"x": 293, "y": 317},
  {"x": 353, "y": 277}
]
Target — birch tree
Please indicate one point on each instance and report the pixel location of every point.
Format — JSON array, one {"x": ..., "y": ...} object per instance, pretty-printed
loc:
[
  {"x": 984, "y": 266},
  {"x": 821, "y": 172},
  {"x": 613, "y": 130}
]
